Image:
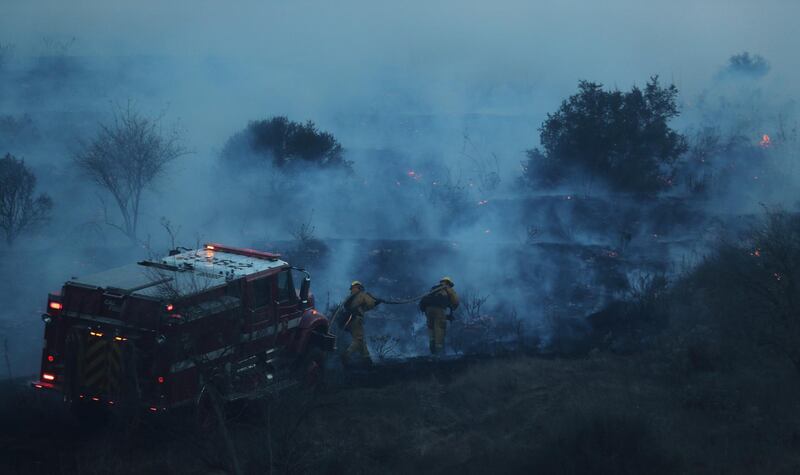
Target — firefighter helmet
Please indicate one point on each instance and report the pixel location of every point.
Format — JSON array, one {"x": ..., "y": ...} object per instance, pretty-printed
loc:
[
  {"x": 356, "y": 283},
  {"x": 448, "y": 281}
]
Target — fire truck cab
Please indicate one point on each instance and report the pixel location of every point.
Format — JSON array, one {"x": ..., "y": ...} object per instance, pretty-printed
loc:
[{"x": 157, "y": 333}]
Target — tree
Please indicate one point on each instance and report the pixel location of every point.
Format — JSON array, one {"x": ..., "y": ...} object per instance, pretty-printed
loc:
[
  {"x": 126, "y": 157},
  {"x": 745, "y": 65},
  {"x": 284, "y": 144},
  {"x": 622, "y": 138},
  {"x": 19, "y": 210}
]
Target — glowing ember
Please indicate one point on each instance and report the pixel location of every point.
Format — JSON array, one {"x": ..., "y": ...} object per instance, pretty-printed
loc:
[{"x": 765, "y": 141}]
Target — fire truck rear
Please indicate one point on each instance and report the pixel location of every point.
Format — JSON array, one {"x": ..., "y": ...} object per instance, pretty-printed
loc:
[{"x": 159, "y": 334}]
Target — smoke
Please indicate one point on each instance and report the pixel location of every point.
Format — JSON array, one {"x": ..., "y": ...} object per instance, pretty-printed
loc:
[{"x": 434, "y": 103}]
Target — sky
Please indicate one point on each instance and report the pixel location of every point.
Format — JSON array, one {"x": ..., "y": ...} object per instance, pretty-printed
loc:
[{"x": 323, "y": 59}]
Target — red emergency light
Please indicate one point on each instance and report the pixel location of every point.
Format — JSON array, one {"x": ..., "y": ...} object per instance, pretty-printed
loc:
[{"x": 242, "y": 251}]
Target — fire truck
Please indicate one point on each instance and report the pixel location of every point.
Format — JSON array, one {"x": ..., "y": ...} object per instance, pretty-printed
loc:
[{"x": 158, "y": 334}]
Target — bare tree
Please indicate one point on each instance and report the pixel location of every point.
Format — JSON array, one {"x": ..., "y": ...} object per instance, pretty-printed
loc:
[
  {"x": 125, "y": 157},
  {"x": 19, "y": 210}
]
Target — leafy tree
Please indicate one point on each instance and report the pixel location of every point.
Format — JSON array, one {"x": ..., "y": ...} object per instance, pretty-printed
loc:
[
  {"x": 620, "y": 137},
  {"x": 127, "y": 156},
  {"x": 745, "y": 64},
  {"x": 284, "y": 144},
  {"x": 19, "y": 210}
]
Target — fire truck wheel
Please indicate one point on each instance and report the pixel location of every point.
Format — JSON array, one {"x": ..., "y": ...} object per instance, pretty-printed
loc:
[
  {"x": 206, "y": 417},
  {"x": 313, "y": 367},
  {"x": 88, "y": 414}
]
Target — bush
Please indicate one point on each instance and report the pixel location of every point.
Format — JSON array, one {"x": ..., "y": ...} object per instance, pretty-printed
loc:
[
  {"x": 284, "y": 143},
  {"x": 749, "y": 289},
  {"x": 622, "y": 138}
]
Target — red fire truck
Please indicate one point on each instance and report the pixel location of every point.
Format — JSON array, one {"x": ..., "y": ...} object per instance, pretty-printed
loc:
[{"x": 159, "y": 333}]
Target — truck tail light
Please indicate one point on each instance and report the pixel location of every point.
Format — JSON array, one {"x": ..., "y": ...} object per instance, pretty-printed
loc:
[
  {"x": 54, "y": 304},
  {"x": 48, "y": 377}
]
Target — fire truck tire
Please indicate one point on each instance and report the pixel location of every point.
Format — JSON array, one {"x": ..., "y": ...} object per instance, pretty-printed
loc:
[
  {"x": 206, "y": 415},
  {"x": 89, "y": 414},
  {"x": 313, "y": 367}
]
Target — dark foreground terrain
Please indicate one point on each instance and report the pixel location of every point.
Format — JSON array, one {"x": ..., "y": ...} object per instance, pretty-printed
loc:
[{"x": 602, "y": 413}]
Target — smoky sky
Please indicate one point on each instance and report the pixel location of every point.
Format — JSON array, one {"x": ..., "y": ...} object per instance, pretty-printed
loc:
[{"x": 230, "y": 62}]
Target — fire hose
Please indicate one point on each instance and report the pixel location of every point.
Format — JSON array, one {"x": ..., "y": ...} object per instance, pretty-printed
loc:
[{"x": 388, "y": 302}]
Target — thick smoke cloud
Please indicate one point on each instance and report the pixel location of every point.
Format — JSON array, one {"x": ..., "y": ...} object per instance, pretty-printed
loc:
[{"x": 434, "y": 102}]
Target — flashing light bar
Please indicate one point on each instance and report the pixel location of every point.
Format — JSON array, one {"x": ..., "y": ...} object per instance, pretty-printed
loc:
[
  {"x": 56, "y": 305},
  {"x": 242, "y": 251}
]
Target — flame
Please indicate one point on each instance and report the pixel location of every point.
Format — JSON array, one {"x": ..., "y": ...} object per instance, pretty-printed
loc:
[{"x": 765, "y": 141}]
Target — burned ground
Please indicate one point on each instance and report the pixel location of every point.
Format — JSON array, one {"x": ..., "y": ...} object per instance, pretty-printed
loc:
[{"x": 597, "y": 414}]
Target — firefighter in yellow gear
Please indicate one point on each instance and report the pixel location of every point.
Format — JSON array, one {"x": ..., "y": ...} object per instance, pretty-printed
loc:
[
  {"x": 435, "y": 305},
  {"x": 357, "y": 304}
]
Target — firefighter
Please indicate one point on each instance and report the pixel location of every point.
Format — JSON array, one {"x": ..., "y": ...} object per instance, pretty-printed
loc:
[
  {"x": 435, "y": 305},
  {"x": 357, "y": 304}
]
